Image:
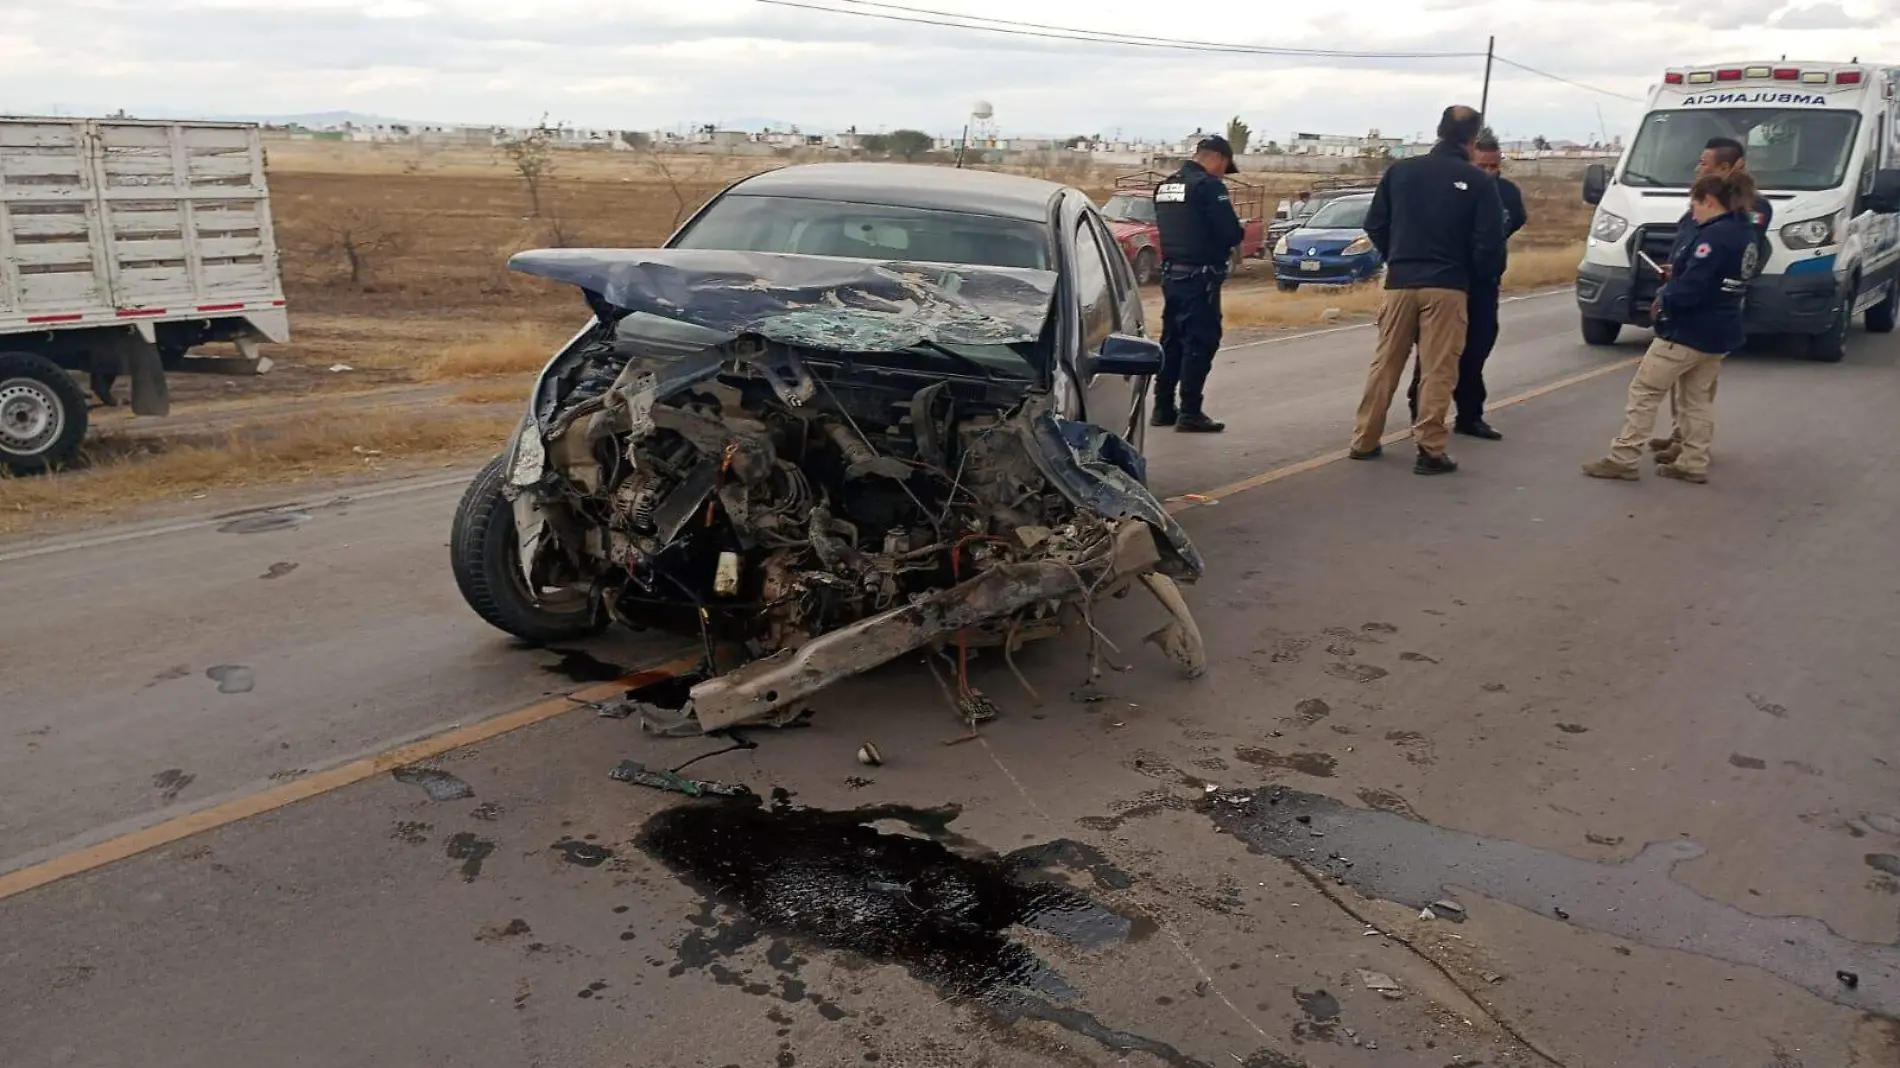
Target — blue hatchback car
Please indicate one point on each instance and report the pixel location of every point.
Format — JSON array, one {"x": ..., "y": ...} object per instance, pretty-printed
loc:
[{"x": 1329, "y": 248}]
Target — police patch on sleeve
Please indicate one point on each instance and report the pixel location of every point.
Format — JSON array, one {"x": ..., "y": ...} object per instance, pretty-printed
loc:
[
  {"x": 1171, "y": 193},
  {"x": 1751, "y": 261},
  {"x": 1702, "y": 251}
]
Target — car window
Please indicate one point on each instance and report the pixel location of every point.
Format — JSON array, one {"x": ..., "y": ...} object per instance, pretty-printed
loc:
[
  {"x": 801, "y": 226},
  {"x": 1129, "y": 207},
  {"x": 1092, "y": 287},
  {"x": 1346, "y": 213}
]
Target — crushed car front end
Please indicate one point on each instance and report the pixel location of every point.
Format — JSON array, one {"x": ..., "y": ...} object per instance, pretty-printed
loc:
[{"x": 823, "y": 463}]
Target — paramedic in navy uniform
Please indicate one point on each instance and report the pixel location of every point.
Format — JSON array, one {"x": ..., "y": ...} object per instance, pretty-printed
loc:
[{"x": 1199, "y": 233}]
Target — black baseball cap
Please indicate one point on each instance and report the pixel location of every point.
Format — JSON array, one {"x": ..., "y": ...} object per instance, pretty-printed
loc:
[{"x": 1217, "y": 143}]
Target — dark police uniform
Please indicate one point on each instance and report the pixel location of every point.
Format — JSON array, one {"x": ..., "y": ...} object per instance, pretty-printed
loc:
[
  {"x": 1199, "y": 232},
  {"x": 1754, "y": 258},
  {"x": 1481, "y": 327}
]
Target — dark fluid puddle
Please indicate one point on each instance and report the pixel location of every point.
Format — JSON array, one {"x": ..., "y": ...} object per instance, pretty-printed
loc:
[
  {"x": 907, "y": 899},
  {"x": 1413, "y": 863},
  {"x": 438, "y": 784},
  {"x": 471, "y": 851},
  {"x": 583, "y": 854},
  {"x": 578, "y": 665},
  {"x": 232, "y": 678},
  {"x": 1318, "y": 765}
]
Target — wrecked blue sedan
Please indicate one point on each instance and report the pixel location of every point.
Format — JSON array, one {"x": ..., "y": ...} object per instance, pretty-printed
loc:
[{"x": 814, "y": 465}]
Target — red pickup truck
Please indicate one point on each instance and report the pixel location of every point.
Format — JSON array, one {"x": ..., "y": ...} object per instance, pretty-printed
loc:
[{"x": 1130, "y": 211}]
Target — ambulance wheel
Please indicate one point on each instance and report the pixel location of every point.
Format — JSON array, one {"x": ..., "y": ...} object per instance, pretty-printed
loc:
[
  {"x": 1880, "y": 317},
  {"x": 42, "y": 414},
  {"x": 1145, "y": 267},
  {"x": 1831, "y": 347},
  {"x": 1600, "y": 331}
]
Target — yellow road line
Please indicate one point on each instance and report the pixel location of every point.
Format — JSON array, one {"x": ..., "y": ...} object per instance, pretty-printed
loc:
[
  {"x": 1177, "y": 505},
  {"x": 323, "y": 782}
]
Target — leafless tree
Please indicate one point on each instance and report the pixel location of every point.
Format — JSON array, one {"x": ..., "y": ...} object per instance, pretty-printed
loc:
[
  {"x": 680, "y": 206},
  {"x": 360, "y": 240},
  {"x": 532, "y": 156}
]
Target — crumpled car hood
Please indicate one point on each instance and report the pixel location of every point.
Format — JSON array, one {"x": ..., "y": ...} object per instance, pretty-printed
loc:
[{"x": 816, "y": 302}]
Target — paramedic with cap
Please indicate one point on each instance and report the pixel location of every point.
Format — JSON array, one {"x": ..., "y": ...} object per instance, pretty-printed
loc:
[{"x": 1199, "y": 233}]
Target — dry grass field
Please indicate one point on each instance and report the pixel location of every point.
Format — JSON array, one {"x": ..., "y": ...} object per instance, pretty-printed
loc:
[{"x": 394, "y": 270}]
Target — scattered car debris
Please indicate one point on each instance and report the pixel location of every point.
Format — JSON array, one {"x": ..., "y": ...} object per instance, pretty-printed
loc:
[
  {"x": 1491, "y": 977},
  {"x": 1559, "y": 912},
  {"x": 830, "y": 463},
  {"x": 1381, "y": 983},
  {"x": 339, "y": 368},
  {"x": 1450, "y": 910},
  {"x": 1848, "y": 979},
  {"x": 632, "y": 771},
  {"x": 438, "y": 784},
  {"x": 869, "y": 756}
]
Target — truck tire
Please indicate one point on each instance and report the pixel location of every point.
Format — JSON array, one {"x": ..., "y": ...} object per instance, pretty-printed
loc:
[
  {"x": 42, "y": 414},
  {"x": 1880, "y": 317},
  {"x": 1831, "y": 346},
  {"x": 1600, "y": 331},
  {"x": 484, "y": 559},
  {"x": 1145, "y": 267}
]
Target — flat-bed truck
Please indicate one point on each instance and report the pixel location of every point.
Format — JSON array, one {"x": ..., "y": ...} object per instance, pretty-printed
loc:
[{"x": 125, "y": 244}]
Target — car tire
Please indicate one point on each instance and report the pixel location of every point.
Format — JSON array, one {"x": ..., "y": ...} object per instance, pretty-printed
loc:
[
  {"x": 1287, "y": 287},
  {"x": 1600, "y": 331},
  {"x": 42, "y": 414},
  {"x": 1830, "y": 346},
  {"x": 485, "y": 560},
  {"x": 1146, "y": 267},
  {"x": 1880, "y": 317}
]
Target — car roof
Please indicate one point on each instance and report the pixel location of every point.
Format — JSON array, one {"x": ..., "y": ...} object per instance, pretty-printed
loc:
[{"x": 905, "y": 185}]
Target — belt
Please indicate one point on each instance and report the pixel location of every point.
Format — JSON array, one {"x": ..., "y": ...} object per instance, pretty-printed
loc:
[{"x": 1190, "y": 270}]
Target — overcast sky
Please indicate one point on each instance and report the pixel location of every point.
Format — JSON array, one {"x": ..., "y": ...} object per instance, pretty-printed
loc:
[{"x": 649, "y": 64}]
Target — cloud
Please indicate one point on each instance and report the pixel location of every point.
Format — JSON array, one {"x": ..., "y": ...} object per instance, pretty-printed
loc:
[
  {"x": 1826, "y": 15},
  {"x": 648, "y": 64}
]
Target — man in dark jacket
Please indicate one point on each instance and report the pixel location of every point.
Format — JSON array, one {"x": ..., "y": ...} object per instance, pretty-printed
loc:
[
  {"x": 1481, "y": 330},
  {"x": 1199, "y": 232},
  {"x": 1721, "y": 156},
  {"x": 1438, "y": 223},
  {"x": 1698, "y": 321}
]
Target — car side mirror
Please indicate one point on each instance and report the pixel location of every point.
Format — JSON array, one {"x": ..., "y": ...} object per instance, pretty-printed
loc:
[
  {"x": 1596, "y": 180},
  {"x": 1885, "y": 197},
  {"x": 1125, "y": 354}
]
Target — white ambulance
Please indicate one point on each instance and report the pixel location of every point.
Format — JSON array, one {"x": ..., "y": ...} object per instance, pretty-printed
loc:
[{"x": 1823, "y": 144}]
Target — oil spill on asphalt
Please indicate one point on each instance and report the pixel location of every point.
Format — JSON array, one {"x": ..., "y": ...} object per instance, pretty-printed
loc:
[
  {"x": 438, "y": 784},
  {"x": 471, "y": 851},
  {"x": 1638, "y": 900},
  {"x": 232, "y": 678},
  {"x": 904, "y": 898},
  {"x": 1322, "y": 1017},
  {"x": 264, "y": 523},
  {"x": 578, "y": 665},
  {"x": 582, "y": 854},
  {"x": 172, "y": 782}
]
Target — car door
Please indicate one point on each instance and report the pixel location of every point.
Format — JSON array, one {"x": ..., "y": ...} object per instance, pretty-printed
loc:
[{"x": 1109, "y": 303}]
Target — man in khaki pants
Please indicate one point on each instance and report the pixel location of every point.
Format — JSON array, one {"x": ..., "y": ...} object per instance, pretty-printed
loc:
[
  {"x": 1699, "y": 321},
  {"x": 1439, "y": 225}
]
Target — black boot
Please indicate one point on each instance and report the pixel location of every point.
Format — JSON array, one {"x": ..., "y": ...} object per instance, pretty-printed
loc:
[
  {"x": 1198, "y": 423},
  {"x": 1441, "y": 464},
  {"x": 1478, "y": 428},
  {"x": 1165, "y": 413}
]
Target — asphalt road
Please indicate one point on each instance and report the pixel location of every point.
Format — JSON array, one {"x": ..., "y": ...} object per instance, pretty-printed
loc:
[{"x": 1640, "y": 734}]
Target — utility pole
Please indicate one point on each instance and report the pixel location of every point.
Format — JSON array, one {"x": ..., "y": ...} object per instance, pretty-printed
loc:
[{"x": 1484, "y": 101}]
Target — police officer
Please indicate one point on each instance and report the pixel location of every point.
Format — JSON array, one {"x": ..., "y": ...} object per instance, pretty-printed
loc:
[
  {"x": 1698, "y": 322},
  {"x": 1199, "y": 232},
  {"x": 1722, "y": 156},
  {"x": 1481, "y": 306}
]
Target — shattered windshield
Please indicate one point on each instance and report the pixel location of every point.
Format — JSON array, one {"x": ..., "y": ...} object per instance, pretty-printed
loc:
[
  {"x": 993, "y": 316},
  {"x": 808, "y": 227}
]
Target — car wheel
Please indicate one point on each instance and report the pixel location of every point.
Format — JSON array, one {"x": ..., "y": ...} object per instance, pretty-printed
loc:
[
  {"x": 486, "y": 563},
  {"x": 1600, "y": 331},
  {"x": 1831, "y": 345},
  {"x": 42, "y": 414},
  {"x": 1145, "y": 267},
  {"x": 1287, "y": 287},
  {"x": 1880, "y": 317}
]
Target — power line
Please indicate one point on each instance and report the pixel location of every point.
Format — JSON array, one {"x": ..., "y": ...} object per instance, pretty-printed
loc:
[
  {"x": 1566, "y": 81},
  {"x": 1066, "y": 33}
]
